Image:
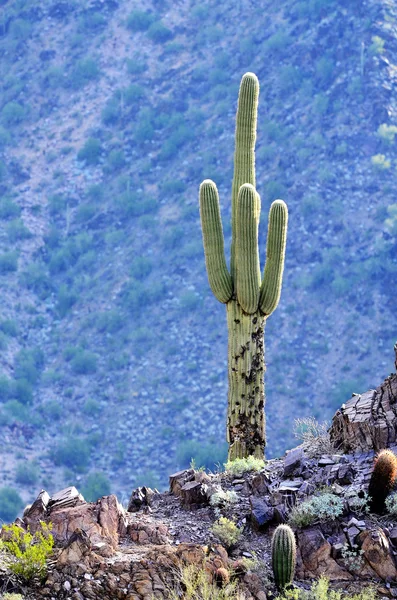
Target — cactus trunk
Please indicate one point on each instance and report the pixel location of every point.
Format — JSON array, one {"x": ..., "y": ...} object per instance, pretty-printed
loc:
[{"x": 246, "y": 396}]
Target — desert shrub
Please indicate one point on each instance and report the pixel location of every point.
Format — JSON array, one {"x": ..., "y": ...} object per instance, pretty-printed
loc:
[
  {"x": 132, "y": 94},
  {"x": 380, "y": 162},
  {"x": 226, "y": 531},
  {"x": 278, "y": 43},
  {"x": 135, "y": 66},
  {"x": 91, "y": 22},
  {"x": 223, "y": 498},
  {"x": 36, "y": 278},
  {"x": 12, "y": 114},
  {"x": 359, "y": 502},
  {"x": 239, "y": 466},
  {"x": 91, "y": 407},
  {"x": 72, "y": 452},
  {"x": 8, "y": 208},
  {"x": 130, "y": 204},
  {"x": 140, "y": 20},
  {"x": 190, "y": 301},
  {"x": 27, "y": 473},
  {"x": 9, "y": 327},
  {"x": 377, "y": 47},
  {"x": 314, "y": 436},
  {"x": 10, "y": 503},
  {"x": 387, "y": 133},
  {"x": 194, "y": 583},
  {"x": 30, "y": 551},
  {"x": 90, "y": 152},
  {"x": 29, "y": 364},
  {"x": 84, "y": 362},
  {"x": 96, "y": 485},
  {"x": 8, "y": 262},
  {"x": 320, "y": 591},
  {"x": 52, "y": 409},
  {"x": 22, "y": 392},
  {"x": 159, "y": 33},
  {"x": 324, "y": 507},
  {"x": 110, "y": 321},
  {"x": 66, "y": 299},
  {"x": 17, "y": 231},
  {"x": 141, "y": 267},
  {"x": 84, "y": 71}
]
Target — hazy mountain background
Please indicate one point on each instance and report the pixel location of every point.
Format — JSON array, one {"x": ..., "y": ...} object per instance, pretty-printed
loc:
[{"x": 113, "y": 349}]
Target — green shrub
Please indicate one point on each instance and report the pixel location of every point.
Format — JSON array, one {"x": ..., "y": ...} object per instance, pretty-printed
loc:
[
  {"x": 387, "y": 133},
  {"x": 109, "y": 322},
  {"x": 23, "y": 393},
  {"x": 159, "y": 33},
  {"x": 377, "y": 47},
  {"x": 84, "y": 362},
  {"x": 324, "y": 507},
  {"x": 35, "y": 278},
  {"x": 90, "y": 152},
  {"x": 141, "y": 267},
  {"x": 27, "y": 473},
  {"x": 92, "y": 407},
  {"x": 29, "y": 364},
  {"x": 135, "y": 66},
  {"x": 95, "y": 486},
  {"x": 10, "y": 503},
  {"x": 91, "y": 22},
  {"x": 132, "y": 94},
  {"x": 20, "y": 29},
  {"x": 380, "y": 162},
  {"x": 85, "y": 70},
  {"x": 227, "y": 532},
  {"x": 8, "y": 208},
  {"x": 12, "y": 114},
  {"x": 239, "y": 466},
  {"x": 66, "y": 299},
  {"x": 30, "y": 551},
  {"x": 277, "y": 43},
  {"x": 130, "y": 204},
  {"x": 17, "y": 231},
  {"x": 320, "y": 591},
  {"x": 139, "y": 20},
  {"x": 52, "y": 409},
  {"x": 73, "y": 452},
  {"x": 115, "y": 161},
  {"x": 8, "y": 262},
  {"x": 9, "y": 327}
]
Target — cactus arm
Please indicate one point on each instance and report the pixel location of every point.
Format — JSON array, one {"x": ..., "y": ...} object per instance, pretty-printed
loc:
[
  {"x": 248, "y": 274},
  {"x": 244, "y": 154},
  {"x": 275, "y": 253},
  {"x": 211, "y": 224}
]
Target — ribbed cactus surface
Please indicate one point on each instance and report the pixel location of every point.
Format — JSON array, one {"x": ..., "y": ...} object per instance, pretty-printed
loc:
[
  {"x": 382, "y": 480},
  {"x": 283, "y": 556},
  {"x": 249, "y": 297}
]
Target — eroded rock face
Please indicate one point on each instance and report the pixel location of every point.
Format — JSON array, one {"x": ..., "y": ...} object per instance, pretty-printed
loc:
[
  {"x": 367, "y": 421},
  {"x": 378, "y": 554},
  {"x": 315, "y": 557}
]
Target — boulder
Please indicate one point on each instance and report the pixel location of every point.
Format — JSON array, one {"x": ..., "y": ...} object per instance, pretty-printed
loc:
[
  {"x": 378, "y": 553},
  {"x": 315, "y": 557}
]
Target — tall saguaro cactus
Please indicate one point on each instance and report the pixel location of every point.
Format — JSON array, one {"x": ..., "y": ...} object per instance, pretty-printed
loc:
[{"x": 249, "y": 298}]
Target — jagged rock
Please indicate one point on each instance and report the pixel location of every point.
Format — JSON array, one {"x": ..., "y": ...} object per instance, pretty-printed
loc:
[
  {"x": 294, "y": 462},
  {"x": 260, "y": 484},
  {"x": 367, "y": 421},
  {"x": 148, "y": 533},
  {"x": 261, "y": 513},
  {"x": 178, "y": 480},
  {"x": 37, "y": 511},
  {"x": 315, "y": 556},
  {"x": 378, "y": 553},
  {"x": 140, "y": 497},
  {"x": 194, "y": 492}
]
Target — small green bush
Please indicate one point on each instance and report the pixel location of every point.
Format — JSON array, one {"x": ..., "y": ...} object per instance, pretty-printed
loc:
[
  {"x": 226, "y": 531},
  {"x": 387, "y": 133},
  {"x": 85, "y": 70},
  {"x": 239, "y": 466},
  {"x": 140, "y": 20},
  {"x": 27, "y": 473},
  {"x": 84, "y": 362},
  {"x": 8, "y": 208},
  {"x": 320, "y": 591},
  {"x": 17, "y": 231},
  {"x": 377, "y": 47},
  {"x": 90, "y": 152},
  {"x": 12, "y": 114},
  {"x": 324, "y": 507},
  {"x": 380, "y": 162},
  {"x": 95, "y": 486},
  {"x": 8, "y": 262},
  {"x": 10, "y": 504},
  {"x": 204, "y": 454},
  {"x": 159, "y": 33},
  {"x": 9, "y": 327},
  {"x": 72, "y": 452},
  {"x": 30, "y": 551}
]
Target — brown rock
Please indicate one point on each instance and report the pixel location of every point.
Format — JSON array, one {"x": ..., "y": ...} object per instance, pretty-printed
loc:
[
  {"x": 194, "y": 492},
  {"x": 148, "y": 533},
  {"x": 178, "y": 480},
  {"x": 378, "y": 553},
  {"x": 367, "y": 421},
  {"x": 315, "y": 555}
]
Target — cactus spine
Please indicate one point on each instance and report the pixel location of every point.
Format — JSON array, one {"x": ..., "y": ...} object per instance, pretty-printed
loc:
[
  {"x": 283, "y": 556},
  {"x": 382, "y": 480},
  {"x": 249, "y": 298}
]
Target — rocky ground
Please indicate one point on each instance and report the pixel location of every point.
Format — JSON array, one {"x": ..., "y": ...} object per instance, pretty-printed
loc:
[{"x": 106, "y": 551}]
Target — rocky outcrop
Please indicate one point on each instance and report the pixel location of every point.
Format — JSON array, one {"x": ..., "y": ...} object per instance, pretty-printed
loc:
[{"x": 367, "y": 421}]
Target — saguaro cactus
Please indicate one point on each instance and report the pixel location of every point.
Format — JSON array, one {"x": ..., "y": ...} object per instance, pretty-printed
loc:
[
  {"x": 249, "y": 299},
  {"x": 283, "y": 556}
]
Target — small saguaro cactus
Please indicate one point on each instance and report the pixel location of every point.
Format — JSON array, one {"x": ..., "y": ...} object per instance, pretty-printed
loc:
[
  {"x": 283, "y": 556},
  {"x": 382, "y": 480},
  {"x": 249, "y": 298}
]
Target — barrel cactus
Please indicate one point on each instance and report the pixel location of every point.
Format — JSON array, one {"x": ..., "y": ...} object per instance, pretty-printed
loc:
[
  {"x": 249, "y": 298},
  {"x": 283, "y": 556},
  {"x": 382, "y": 480}
]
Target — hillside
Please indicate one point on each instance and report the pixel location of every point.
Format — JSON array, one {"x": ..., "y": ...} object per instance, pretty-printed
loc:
[{"x": 113, "y": 348}]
